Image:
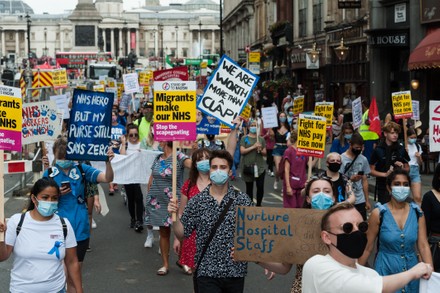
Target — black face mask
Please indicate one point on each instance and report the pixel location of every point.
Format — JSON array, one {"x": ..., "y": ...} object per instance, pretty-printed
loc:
[
  {"x": 351, "y": 245},
  {"x": 149, "y": 116},
  {"x": 210, "y": 137},
  {"x": 334, "y": 167},
  {"x": 356, "y": 152}
]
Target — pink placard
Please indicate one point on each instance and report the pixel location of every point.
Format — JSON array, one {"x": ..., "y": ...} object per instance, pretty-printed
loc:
[
  {"x": 173, "y": 131},
  {"x": 10, "y": 140}
]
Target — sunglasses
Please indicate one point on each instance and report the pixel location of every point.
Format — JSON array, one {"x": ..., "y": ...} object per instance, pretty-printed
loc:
[
  {"x": 320, "y": 176},
  {"x": 133, "y": 135},
  {"x": 348, "y": 227}
]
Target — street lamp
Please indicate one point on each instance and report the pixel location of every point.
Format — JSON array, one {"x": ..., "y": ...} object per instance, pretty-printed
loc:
[
  {"x": 160, "y": 26},
  {"x": 126, "y": 38},
  {"x": 313, "y": 54},
  {"x": 45, "y": 41},
  {"x": 177, "y": 43},
  {"x": 200, "y": 39},
  {"x": 28, "y": 21},
  {"x": 342, "y": 51}
]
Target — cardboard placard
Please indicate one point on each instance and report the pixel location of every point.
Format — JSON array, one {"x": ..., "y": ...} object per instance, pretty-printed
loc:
[
  {"x": 10, "y": 115},
  {"x": 62, "y": 102},
  {"x": 325, "y": 109},
  {"x": 246, "y": 113},
  {"x": 402, "y": 105},
  {"x": 207, "y": 124},
  {"x": 298, "y": 105},
  {"x": 356, "y": 112},
  {"x": 174, "y": 110},
  {"x": 89, "y": 129},
  {"x": 131, "y": 84},
  {"x": 59, "y": 78},
  {"x": 270, "y": 116},
  {"x": 311, "y": 135},
  {"x": 416, "y": 110},
  {"x": 228, "y": 91},
  {"x": 278, "y": 235},
  {"x": 40, "y": 122}
]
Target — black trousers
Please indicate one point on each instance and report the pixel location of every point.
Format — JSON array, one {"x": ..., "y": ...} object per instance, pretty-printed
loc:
[
  {"x": 260, "y": 188},
  {"x": 135, "y": 201},
  {"x": 220, "y": 285},
  {"x": 269, "y": 160}
]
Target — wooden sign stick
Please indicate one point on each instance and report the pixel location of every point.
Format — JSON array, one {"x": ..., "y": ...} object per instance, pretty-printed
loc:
[
  {"x": 174, "y": 177},
  {"x": 2, "y": 193}
]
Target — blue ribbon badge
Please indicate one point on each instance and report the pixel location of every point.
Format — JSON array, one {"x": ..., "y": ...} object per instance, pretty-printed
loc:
[{"x": 55, "y": 249}]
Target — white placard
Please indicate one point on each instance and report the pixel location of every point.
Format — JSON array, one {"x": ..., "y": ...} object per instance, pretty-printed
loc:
[
  {"x": 434, "y": 126},
  {"x": 356, "y": 112},
  {"x": 131, "y": 83},
  {"x": 62, "y": 102},
  {"x": 227, "y": 92},
  {"x": 416, "y": 110},
  {"x": 270, "y": 117}
]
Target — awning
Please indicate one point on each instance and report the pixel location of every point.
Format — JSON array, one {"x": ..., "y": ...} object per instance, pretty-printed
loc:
[{"x": 427, "y": 54}]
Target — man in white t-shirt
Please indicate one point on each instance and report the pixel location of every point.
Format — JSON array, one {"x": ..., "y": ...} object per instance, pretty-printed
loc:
[{"x": 343, "y": 230}]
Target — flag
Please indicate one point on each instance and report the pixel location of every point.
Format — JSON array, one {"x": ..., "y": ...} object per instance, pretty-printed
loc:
[{"x": 373, "y": 116}]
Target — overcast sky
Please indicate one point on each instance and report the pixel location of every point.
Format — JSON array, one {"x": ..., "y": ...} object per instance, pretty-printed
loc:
[{"x": 58, "y": 6}]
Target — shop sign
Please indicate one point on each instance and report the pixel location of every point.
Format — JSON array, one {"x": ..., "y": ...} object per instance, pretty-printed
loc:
[
  {"x": 349, "y": 4},
  {"x": 389, "y": 40}
]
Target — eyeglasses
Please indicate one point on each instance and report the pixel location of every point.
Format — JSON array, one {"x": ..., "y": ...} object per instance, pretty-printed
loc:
[
  {"x": 320, "y": 176},
  {"x": 133, "y": 135},
  {"x": 348, "y": 227}
]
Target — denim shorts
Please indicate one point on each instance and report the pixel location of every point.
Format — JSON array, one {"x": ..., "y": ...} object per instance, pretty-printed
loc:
[
  {"x": 414, "y": 173},
  {"x": 278, "y": 150}
]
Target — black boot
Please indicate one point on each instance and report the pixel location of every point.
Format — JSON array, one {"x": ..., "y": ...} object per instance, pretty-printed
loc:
[
  {"x": 138, "y": 227},
  {"x": 132, "y": 223}
]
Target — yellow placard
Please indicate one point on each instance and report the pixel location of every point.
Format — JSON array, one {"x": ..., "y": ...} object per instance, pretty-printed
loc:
[
  {"x": 402, "y": 104},
  {"x": 144, "y": 78},
  {"x": 311, "y": 135},
  {"x": 81, "y": 87},
  {"x": 224, "y": 128},
  {"x": 99, "y": 88},
  {"x": 59, "y": 78},
  {"x": 180, "y": 106},
  {"x": 254, "y": 57},
  {"x": 10, "y": 113},
  {"x": 325, "y": 109},
  {"x": 298, "y": 105},
  {"x": 111, "y": 82},
  {"x": 246, "y": 113},
  {"x": 203, "y": 64}
]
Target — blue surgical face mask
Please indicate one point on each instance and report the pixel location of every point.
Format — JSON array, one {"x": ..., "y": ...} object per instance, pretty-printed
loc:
[
  {"x": 400, "y": 193},
  {"x": 291, "y": 114},
  {"x": 219, "y": 177},
  {"x": 159, "y": 148},
  {"x": 282, "y": 119},
  {"x": 322, "y": 201},
  {"x": 253, "y": 129},
  {"x": 412, "y": 140},
  {"x": 347, "y": 136},
  {"x": 47, "y": 208},
  {"x": 257, "y": 114},
  {"x": 65, "y": 164},
  {"x": 203, "y": 166}
]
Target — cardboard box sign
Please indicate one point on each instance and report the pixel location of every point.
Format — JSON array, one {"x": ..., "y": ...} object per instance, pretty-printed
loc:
[{"x": 278, "y": 235}]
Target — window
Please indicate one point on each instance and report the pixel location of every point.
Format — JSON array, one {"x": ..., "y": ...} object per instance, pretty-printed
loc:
[
  {"x": 184, "y": 36},
  {"x": 151, "y": 35},
  {"x": 302, "y": 18},
  {"x": 185, "y": 52},
  {"x": 173, "y": 36},
  {"x": 317, "y": 16}
]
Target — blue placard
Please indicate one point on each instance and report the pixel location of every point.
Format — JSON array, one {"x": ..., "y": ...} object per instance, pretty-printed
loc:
[
  {"x": 227, "y": 91},
  {"x": 89, "y": 131},
  {"x": 208, "y": 125}
]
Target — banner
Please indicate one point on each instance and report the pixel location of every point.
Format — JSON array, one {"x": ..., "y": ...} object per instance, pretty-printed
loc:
[
  {"x": 278, "y": 235},
  {"x": 270, "y": 117},
  {"x": 40, "y": 122},
  {"x": 173, "y": 74},
  {"x": 207, "y": 124},
  {"x": 62, "y": 104},
  {"x": 89, "y": 129},
  {"x": 298, "y": 105},
  {"x": 402, "y": 105},
  {"x": 174, "y": 110},
  {"x": 432, "y": 285},
  {"x": 356, "y": 112},
  {"x": 325, "y": 109},
  {"x": 10, "y": 118},
  {"x": 131, "y": 84},
  {"x": 228, "y": 91},
  {"x": 311, "y": 135},
  {"x": 134, "y": 168},
  {"x": 434, "y": 126}
]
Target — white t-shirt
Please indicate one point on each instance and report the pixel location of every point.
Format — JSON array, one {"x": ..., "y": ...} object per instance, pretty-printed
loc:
[
  {"x": 132, "y": 147},
  {"x": 322, "y": 274},
  {"x": 34, "y": 269},
  {"x": 412, "y": 149}
]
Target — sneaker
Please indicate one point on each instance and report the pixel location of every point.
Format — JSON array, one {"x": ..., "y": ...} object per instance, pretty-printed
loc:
[
  {"x": 138, "y": 227},
  {"x": 89, "y": 249},
  {"x": 132, "y": 223},
  {"x": 149, "y": 242},
  {"x": 94, "y": 226},
  {"x": 272, "y": 174},
  {"x": 275, "y": 185}
]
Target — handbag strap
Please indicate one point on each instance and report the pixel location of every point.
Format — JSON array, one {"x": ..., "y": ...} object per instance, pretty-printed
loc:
[
  {"x": 349, "y": 165},
  {"x": 213, "y": 231}
]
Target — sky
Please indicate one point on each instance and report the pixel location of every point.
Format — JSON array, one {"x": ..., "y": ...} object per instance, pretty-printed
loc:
[{"x": 59, "y": 6}]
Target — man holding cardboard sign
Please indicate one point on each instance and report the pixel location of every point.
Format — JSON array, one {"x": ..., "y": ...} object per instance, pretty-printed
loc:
[{"x": 343, "y": 231}]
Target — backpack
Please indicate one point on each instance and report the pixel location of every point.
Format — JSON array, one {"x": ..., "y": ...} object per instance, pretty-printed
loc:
[{"x": 23, "y": 215}]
